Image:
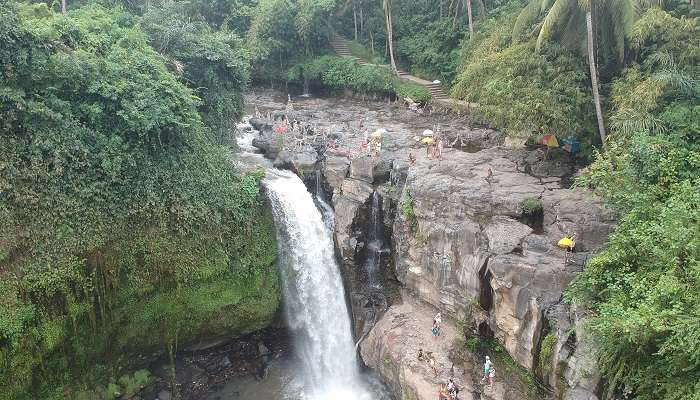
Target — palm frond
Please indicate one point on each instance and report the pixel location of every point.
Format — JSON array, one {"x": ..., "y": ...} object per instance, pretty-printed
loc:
[
  {"x": 545, "y": 4},
  {"x": 627, "y": 123},
  {"x": 526, "y": 17},
  {"x": 676, "y": 80},
  {"x": 622, "y": 19},
  {"x": 555, "y": 15},
  {"x": 642, "y": 5}
]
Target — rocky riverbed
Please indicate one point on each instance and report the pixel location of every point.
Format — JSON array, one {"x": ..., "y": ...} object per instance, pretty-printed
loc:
[{"x": 472, "y": 235}]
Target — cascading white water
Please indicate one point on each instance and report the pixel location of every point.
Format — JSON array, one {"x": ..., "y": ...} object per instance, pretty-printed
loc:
[
  {"x": 375, "y": 245},
  {"x": 314, "y": 294}
]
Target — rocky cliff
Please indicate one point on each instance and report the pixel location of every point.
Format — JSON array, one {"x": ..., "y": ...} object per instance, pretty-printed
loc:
[{"x": 472, "y": 235}]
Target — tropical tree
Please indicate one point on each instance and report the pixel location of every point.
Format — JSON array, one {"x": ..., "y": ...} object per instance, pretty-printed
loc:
[
  {"x": 388, "y": 20},
  {"x": 564, "y": 19}
]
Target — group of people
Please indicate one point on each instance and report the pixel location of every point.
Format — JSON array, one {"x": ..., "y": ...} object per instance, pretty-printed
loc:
[
  {"x": 489, "y": 371},
  {"x": 434, "y": 148},
  {"x": 372, "y": 144}
]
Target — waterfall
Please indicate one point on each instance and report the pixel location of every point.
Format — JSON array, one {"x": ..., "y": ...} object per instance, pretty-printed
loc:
[
  {"x": 327, "y": 211},
  {"x": 314, "y": 295},
  {"x": 375, "y": 246}
]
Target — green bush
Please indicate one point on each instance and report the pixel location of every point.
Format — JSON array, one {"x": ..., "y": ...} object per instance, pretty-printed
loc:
[
  {"x": 344, "y": 73},
  {"x": 417, "y": 93},
  {"x": 546, "y": 351},
  {"x": 531, "y": 205}
]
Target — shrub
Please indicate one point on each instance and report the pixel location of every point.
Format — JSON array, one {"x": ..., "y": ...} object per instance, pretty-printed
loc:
[
  {"x": 531, "y": 205},
  {"x": 418, "y": 93}
]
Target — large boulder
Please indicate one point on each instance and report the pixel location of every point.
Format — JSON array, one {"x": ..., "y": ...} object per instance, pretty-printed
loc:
[
  {"x": 335, "y": 169},
  {"x": 302, "y": 162}
]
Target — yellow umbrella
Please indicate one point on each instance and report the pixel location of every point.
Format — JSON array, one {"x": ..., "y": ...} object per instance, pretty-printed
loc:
[
  {"x": 565, "y": 242},
  {"x": 428, "y": 140},
  {"x": 376, "y": 134}
]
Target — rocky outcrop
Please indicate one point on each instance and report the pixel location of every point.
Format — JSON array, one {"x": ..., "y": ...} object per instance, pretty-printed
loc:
[
  {"x": 469, "y": 244},
  {"x": 473, "y": 235}
]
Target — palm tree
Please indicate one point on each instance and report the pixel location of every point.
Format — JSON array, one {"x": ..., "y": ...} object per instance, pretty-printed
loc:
[
  {"x": 616, "y": 17},
  {"x": 468, "y": 4}
]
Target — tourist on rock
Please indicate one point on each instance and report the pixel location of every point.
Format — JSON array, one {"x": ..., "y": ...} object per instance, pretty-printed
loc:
[
  {"x": 452, "y": 389},
  {"x": 440, "y": 144},
  {"x": 421, "y": 357},
  {"x": 437, "y": 322},
  {"x": 568, "y": 243},
  {"x": 431, "y": 362},
  {"x": 492, "y": 374},
  {"x": 487, "y": 369}
]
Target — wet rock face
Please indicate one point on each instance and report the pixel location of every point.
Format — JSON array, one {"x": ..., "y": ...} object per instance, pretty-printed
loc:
[{"x": 468, "y": 239}]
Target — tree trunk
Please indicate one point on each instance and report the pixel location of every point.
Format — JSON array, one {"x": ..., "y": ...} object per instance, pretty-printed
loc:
[
  {"x": 390, "y": 34},
  {"x": 63, "y": 6},
  {"x": 354, "y": 17},
  {"x": 469, "y": 18},
  {"x": 594, "y": 72},
  {"x": 362, "y": 21}
]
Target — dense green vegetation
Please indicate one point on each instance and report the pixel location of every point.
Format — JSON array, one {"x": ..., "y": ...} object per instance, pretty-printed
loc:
[
  {"x": 124, "y": 231},
  {"x": 645, "y": 288},
  {"x": 345, "y": 73}
]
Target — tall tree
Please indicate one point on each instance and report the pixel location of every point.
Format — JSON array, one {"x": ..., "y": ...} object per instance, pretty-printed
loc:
[
  {"x": 590, "y": 44},
  {"x": 468, "y": 5},
  {"x": 571, "y": 15},
  {"x": 388, "y": 19}
]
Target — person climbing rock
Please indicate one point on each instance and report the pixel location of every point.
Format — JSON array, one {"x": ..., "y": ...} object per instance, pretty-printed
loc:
[
  {"x": 411, "y": 159},
  {"x": 568, "y": 243},
  {"x": 433, "y": 366},
  {"x": 487, "y": 369},
  {"x": 489, "y": 174}
]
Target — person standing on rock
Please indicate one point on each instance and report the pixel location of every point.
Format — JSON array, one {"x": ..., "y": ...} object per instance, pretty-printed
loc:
[
  {"x": 437, "y": 321},
  {"x": 487, "y": 369},
  {"x": 452, "y": 389},
  {"x": 492, "y": 374}
]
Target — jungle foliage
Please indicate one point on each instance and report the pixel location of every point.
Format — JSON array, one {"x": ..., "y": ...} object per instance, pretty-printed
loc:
[
  {"x": 345, "y": 73},
  {"x": 124, "y": 229},
  {"x": 644, "y": 288}
]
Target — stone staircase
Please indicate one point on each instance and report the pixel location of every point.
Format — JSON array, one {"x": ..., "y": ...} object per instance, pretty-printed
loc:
[
  {"x": 341, "y": 46},
  {"x": 436, "y": 91}
]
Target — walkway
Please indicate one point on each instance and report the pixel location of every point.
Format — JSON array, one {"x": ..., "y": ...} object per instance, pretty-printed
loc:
[{"x": 341, "y": 46}]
